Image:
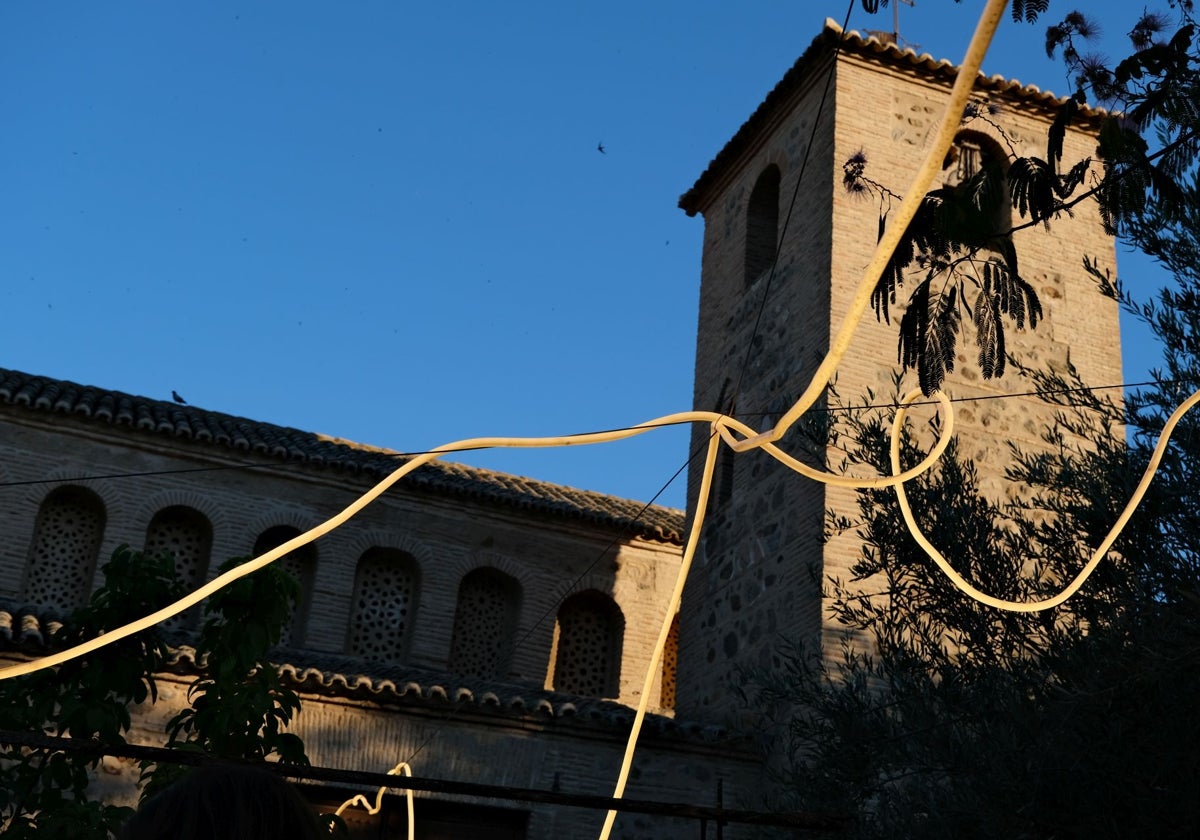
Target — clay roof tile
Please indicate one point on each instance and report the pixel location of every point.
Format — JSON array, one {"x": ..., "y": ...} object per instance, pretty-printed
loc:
[
  {"x": 870, "y": 46},
  {"x": 223, "y": 431}
]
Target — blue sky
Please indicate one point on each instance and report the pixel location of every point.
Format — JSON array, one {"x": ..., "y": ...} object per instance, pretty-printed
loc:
[{"x": 389, "y": 221}]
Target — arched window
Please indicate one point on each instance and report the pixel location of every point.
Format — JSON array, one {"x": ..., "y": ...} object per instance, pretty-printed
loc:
[
  {"x": 384, "y": 605},
  {"x": 62, "y": 556},
  {"x": 587, "y": 659},
  {"x": 485, "y": 622},
  {"x": 762, "y": 224},
  {"x": 302, "y": 564},
  {"x": 975, "y": 157},
  {"x": 185, "y": 534},
  {"x": 666, "y": 694}
]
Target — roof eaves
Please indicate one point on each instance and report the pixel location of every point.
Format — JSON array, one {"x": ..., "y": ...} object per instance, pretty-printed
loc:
[
  {"x": 126, "y": 412},
  {"x": 695, "y": 200}
]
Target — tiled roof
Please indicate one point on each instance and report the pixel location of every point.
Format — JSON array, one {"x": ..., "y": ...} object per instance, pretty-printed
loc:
[
  {"x": 336, "y": 675},
  {"x": 870, "y": 47},
  {"x": 403, "y": 685},
  {"x": 23, "y": 629},
  {"x": 132, "y": 414}
]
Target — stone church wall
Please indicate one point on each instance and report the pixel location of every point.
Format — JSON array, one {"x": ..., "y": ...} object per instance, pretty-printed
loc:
[{"x": 759, "y": 572}]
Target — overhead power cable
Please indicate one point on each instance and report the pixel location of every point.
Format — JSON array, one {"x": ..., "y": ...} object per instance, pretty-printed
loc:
[
  {"x": 839, "y": 409},
  {"x": 806, "y": 820}
]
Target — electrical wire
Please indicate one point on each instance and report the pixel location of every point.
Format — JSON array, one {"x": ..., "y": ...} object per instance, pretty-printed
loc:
[
  {"x": 787, "y": 219},
  {"x": 689, "y": 552},
  {"x": 1099, "y": 554},
  {"x": 335, "y": 521},
  {"x": 360, "y": 801},
  {"x": 816, "y": 409}
]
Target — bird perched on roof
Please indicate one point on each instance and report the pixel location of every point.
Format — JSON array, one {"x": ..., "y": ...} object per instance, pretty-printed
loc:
[
  {"x": 600, "y": 148},
  {"x": 175, "y": 396}
]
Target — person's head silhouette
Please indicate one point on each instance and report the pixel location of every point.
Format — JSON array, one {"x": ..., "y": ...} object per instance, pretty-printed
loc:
[{"x": 229, "y": 802}]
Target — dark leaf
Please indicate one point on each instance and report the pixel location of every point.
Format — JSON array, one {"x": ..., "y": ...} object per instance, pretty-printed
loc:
[
  {"x": 1008, "y": 252},
  {"x": 989, "y": 335},
  {"x": 1067, "y": 183},
  {"x": 914, "y": 325},
  {"x": 1031, "y": 184},
  {"x": 1028, "y": 10},
  {"x": 1016, "y": 298},
  {"x": 1058, "y": 132},
  {"x": 884, "y": 293},
  {"x": 928, "y": 334},
  {"x": 1056, "y": 36},
  {"x": 1165, "y": 186}
]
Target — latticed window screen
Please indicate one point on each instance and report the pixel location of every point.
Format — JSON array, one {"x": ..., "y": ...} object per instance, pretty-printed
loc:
[
  {"x": 185, "y": 534},
  {"x": 666, "y": 697},
  {"x": 302, "y": 565},
  {"x": 384, "y": 605},
  {"x": 485, "y": 622},
  {"x": 588, "y": 658},
  {"x": 62, "y": 556}
]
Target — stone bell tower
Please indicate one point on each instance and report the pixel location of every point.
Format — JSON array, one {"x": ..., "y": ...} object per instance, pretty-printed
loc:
[{"x": 758, "y": 575}]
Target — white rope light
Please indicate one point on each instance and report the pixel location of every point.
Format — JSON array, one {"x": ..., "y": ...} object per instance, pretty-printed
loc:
[
  {"x": 360, "y": 801},
  {"x": 725, "y": 430}
]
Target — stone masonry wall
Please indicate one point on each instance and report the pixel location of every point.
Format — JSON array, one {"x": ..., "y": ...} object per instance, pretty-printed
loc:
[
  {"x": 892, "y": 116},
  {"x": 751, "y": 579},
  {"x": 758, "y": 575}
]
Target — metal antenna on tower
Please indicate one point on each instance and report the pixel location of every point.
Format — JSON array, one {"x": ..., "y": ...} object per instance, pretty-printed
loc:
[{"x": 896, "y": 18}]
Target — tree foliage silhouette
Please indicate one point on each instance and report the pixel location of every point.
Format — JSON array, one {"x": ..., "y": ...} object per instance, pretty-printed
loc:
[
  {"x": 958, "y": 251},
  {"x": 955, "y": 719},
  {"x": 238, "y": 708}
]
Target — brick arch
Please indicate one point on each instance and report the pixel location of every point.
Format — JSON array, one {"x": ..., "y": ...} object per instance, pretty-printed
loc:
[
  {"x": 149, "y": 507},
  {"x": 114, "y": 506},
  {"x": 588, "y": 640},
  {"x": 384, "y": 603},
  {"x": 460, "y": 566},
  {"x": 187, "y": 533},
  {"x": 776, "y": 156},
  {"x": 984, "y": 136},
  {"x": 486, "y": 615},
  {"x": 302, "y": 564},
  {"x": 363, "y": 540},
  {"x": 592, "y": 580},
  {"x": 974, "y": 148},
  {"x": 990, "y": 134},
  {"x": 279, "y": 517},
  {"x": 64, "y": 548}
]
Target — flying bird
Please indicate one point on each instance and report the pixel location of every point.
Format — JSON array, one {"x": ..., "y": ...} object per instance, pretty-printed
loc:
[
  {"x": 600, "y": 148},
  {"x": 175, "y": 396}
]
